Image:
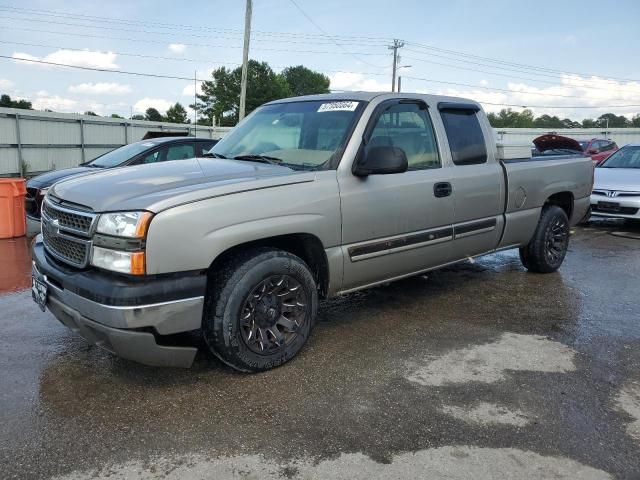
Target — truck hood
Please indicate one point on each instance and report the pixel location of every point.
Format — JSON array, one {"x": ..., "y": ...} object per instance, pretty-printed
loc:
[
  {"x": 621, "y": 179},
  {"x": 47, "y": 179},
  {"x": 159, "y": 186},
  {"x": 556, "y": 142}
]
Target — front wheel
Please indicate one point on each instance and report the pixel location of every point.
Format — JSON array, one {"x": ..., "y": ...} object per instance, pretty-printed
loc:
[
  {"x": 260, "y": 309},
  {"x": 548, "y": 247}
]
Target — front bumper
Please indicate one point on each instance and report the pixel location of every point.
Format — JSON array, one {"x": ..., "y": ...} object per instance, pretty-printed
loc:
[
  {"x": 628, "y": 206},
  {"x": 128, "y": 317}
]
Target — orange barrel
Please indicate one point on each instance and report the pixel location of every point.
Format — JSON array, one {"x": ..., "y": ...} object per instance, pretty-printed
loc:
[{"x": 13, "y": 222}]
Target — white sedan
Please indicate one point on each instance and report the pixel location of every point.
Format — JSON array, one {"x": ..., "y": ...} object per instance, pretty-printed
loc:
[{"x": 616, "y": 188}]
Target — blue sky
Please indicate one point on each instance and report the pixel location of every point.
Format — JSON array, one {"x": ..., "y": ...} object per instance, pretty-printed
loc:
[{"x": 599, "y": 41}]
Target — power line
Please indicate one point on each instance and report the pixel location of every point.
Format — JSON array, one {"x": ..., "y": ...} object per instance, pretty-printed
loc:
[
  {"x": 312, "y": 21},
  {"x": 520, "y": 65},
  {"x": 181, "y": 27},
  {"x": 181, "y": 35},
  {"x": 95, "y": 69},
  {"x": 155, "y": 42},
  {"x": 460, "y": 67},
  {"x": 141, "y": 74},
  {"x": 492, "y": 88}
]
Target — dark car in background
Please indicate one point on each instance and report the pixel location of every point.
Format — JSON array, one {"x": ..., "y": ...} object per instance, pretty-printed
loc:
[{"x": 154, "y": 150}]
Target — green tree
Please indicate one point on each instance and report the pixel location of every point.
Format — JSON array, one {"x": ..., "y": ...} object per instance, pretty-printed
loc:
[
  {"x": 91, "y": 114},
  {"x": 303, "y": 81},
  {"x": 612, "y": 121},
  {"x": 506, "y": 118},
  {"x": 115, "y": 115},
  {"x": 6, "y": 101},
  {"x": 588, "y": 123},
  {"x": 177, "y": 114},
  {"x": 635, "y": 121},
  {"x": 137, "y": 117},
  {"x": 153, "y": 115},
  {"x": 568, "y": 123},
  {"x": 547, "y": 121},
  {"x": 220, "y": 98}
]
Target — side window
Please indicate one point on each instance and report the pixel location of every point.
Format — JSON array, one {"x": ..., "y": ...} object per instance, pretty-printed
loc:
[
  {"x": 408, "y": 126},
  {"x": 153, "y": 157},
  {"x": 464, "y": 133},
  {"x": 180, "y": 152},
  {"x": 203, "y": 147}
]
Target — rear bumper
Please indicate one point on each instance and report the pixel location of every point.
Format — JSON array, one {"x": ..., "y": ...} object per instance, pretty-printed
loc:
[{"x": 125, "y": 316}]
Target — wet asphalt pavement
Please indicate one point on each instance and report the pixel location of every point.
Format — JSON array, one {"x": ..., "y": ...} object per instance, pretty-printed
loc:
[{"x": 481, "y": 370}]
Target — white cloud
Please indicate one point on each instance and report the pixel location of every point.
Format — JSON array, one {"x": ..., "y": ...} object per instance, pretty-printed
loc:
[
  {"x": 101, "y": 88},
  {"x": 484, "y": 82},
  {"x": 570, "y": 39},
  {"x": 188, "y": 90},
  {"x": 596, "y": 93},
  {"x": 5, "y": 84},
  {"x": 55, "y": 103},
  {"x": 79, "y": 58},
  {"x": 159, "y": 104},
  {"x": 357, "y": 81},
  {"x": 177, "y": 47}
]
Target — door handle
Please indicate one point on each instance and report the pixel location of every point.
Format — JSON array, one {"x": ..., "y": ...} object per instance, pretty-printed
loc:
[{"x": 442, "y": 189}]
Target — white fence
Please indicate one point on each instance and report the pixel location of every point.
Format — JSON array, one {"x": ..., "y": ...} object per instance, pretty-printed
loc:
[{"x": 32, "y": 141}]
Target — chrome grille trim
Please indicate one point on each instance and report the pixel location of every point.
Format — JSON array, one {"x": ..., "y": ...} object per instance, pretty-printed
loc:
[
  {"x": 74, "y": 221},
  {"x": 67, "y": 233}
]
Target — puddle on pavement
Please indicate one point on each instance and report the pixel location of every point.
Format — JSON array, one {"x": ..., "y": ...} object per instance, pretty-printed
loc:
[{"x": 15, "y": 265}]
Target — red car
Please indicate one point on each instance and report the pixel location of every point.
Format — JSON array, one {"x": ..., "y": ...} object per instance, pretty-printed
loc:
[{"x": 598, "y": 149}]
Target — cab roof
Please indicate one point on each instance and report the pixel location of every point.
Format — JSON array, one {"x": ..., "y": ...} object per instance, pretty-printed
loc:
[{"x": 368, "y": 96}]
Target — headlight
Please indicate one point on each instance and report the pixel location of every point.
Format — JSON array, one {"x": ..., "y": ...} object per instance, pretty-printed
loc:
[
  {"x": 132, "y": 263},
  {"x": 124, "y": 224}
]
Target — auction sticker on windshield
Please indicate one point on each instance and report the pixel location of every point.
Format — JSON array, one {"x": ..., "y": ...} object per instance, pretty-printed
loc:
[{"x": 338, "y": 107}]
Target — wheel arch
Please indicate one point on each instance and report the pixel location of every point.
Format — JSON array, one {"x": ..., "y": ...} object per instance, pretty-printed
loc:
[
  {"x": 564, "y": 200},
  {"x": 304, "y": 245}
]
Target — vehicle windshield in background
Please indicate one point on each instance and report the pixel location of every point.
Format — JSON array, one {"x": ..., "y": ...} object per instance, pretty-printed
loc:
[
  {"x": 626, "y": 157},
  {"x": 299, "y": 135},
  {"x": 583, "y": 145},
  {"x": 120, "y": 155}
]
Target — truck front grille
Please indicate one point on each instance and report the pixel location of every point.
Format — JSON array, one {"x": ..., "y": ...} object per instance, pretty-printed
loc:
[
  {"x": 67, "y": 233},
  {"x": 78, "y": 222},
  {"x": 74, "y": 252}
]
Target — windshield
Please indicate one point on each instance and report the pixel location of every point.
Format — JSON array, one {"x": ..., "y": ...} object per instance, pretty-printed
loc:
[
  {"x": 626, "y": 157},
  {"x": 299, "y": 135},
  {"x": 121, "y": 155},
  {"x": 583, "y": 145}
]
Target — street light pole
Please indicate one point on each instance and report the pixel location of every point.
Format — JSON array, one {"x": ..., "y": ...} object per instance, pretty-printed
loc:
[{"x": 245, "y": 60}]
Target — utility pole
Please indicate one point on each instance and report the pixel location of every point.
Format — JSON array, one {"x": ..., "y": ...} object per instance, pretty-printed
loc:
[
  {"x": 396, "y": 45},
  {"x": 399, "y": 83},
  {"x": 245, "y": 60}
]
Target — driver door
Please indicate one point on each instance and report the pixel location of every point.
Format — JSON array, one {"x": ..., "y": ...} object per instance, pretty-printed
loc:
[{"x": 397, "y": 224}]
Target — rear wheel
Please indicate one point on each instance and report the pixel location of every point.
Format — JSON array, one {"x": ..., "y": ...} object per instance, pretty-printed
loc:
[
  {"x": 260, "y": 309},
  {"x": 548, "y": 247}
]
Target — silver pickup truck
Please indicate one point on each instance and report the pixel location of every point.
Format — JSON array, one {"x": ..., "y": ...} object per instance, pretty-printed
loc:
[{"x": 307, "y": 198}]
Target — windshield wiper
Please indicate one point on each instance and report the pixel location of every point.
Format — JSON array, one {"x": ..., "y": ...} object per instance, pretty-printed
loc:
[
  {"x": 214, "y": 155},
  {"x": 260, "y": 158},
  {"x": 94, "y": 165}
]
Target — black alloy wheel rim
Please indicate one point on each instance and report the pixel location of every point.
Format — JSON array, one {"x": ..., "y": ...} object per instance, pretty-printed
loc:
[
  {"x": 273, "y": 314},
  {"x": 557, "y": 238}
]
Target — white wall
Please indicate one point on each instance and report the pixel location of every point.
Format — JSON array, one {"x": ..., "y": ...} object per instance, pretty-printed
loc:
[{"x": 42, "y": 141}]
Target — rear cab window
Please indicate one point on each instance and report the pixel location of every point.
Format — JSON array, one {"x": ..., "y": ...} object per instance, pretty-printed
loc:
[{"x": 464, "y": 133}]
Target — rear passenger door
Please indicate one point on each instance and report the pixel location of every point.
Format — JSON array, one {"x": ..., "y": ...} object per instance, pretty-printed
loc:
[
  {"x": 396, "y": 224},
  {"x": 477, "y": 180}
]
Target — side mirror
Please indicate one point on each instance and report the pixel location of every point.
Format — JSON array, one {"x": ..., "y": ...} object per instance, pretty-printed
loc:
[{"x": 381, "y": 161}]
